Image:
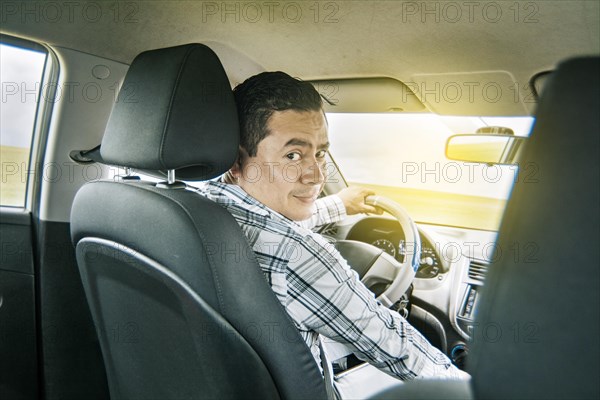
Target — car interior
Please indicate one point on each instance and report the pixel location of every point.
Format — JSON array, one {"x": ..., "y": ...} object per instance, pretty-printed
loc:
[{"x": 475, "y": 123}]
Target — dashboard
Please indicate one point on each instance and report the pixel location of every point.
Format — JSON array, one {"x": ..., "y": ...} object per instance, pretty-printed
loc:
[
  {"x": 387, "y": 235},
  {"x": 447, "y": 284}
]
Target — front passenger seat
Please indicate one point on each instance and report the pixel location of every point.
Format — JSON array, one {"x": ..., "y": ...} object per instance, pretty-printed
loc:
[
  {"x": 537, "y": 332},
  {"x": 180, "y": 304}
]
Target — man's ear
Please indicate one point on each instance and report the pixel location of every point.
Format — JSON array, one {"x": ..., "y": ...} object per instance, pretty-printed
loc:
[{"x": 236, "y": 168}]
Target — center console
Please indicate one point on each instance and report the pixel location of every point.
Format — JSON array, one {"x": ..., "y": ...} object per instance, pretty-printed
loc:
[{"x": 466, "y": 304}]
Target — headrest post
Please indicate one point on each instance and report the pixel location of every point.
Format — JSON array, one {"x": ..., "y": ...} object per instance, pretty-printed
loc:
[
  {"x": 171, "y": 183},
  {"x": 127, "y": 175}
]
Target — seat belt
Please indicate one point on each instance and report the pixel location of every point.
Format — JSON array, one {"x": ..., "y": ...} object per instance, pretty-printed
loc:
[{"x": 328, "y": 374}]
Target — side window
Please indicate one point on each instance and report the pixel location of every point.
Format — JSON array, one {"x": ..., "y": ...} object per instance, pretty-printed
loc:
[{"x": 21, "y": 72}]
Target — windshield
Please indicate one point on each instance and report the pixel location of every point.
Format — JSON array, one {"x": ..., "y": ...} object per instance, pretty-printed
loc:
[{"x": 402, "y": 156}]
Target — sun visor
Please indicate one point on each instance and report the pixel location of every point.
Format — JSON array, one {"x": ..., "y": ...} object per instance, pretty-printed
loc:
[
  {"x": 368, "y": 95},
  {"x": 489, "y": 93}
]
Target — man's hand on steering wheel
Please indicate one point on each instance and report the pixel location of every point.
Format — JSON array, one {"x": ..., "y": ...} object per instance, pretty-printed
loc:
[{"x": 354, "y": 200}]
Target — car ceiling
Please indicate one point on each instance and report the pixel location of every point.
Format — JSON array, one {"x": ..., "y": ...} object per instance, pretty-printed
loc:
[{"x": 363, "y": 38}]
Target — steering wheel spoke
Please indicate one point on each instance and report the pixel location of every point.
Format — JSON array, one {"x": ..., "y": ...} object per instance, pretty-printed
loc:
[
  {"x": 378, "y": 269},
  {"x": 383, "y": 270}
]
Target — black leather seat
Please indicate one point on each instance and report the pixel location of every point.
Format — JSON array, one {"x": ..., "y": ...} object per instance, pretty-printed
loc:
[
  {"x": 537, "y": 329},
  {"x": 180, "y": 304}
]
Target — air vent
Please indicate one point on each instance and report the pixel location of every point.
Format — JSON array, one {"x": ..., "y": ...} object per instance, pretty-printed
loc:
[{"x": 477, "y": 270}]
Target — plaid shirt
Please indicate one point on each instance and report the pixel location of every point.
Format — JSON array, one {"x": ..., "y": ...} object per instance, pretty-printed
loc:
[{"x": 320, "y": 292}]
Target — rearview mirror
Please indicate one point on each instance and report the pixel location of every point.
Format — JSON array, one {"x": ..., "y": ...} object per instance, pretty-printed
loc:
[{"x": 489, "y": 149}]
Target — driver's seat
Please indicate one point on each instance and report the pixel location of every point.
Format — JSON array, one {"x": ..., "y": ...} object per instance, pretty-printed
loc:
[{"x": 181, "y": 307}]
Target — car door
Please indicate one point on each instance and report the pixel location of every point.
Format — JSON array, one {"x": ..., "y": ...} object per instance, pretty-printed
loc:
[
  {"x": 48, "y": 344},
  {"x": 22, "y": 70}
]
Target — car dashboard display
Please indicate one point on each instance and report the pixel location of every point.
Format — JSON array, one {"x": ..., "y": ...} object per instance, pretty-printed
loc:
[{"x": 387, "y": 235}]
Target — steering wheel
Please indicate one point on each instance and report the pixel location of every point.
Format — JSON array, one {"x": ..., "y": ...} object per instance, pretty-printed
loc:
[{"x": 375, "y": 266}]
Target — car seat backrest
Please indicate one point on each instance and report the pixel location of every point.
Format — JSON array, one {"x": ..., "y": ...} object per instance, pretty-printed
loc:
[
  {"x": 181, "y": 306},
  {"x": 537, "y": 327}
]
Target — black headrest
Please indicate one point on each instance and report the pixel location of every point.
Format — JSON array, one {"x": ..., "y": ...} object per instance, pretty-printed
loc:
[{"x": 181, "y": 115}]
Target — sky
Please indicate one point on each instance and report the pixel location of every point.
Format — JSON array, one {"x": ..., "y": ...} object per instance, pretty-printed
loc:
[
  {"x": 408, "y": 150},
  {"x": 21, "y": 73}
]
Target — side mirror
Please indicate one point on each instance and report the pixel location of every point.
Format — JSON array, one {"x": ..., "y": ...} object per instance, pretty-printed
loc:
[{"x": 489, "y": 149}]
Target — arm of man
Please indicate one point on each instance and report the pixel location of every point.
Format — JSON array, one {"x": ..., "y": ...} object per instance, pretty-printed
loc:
[
  {"x": 326, "y": 296},
  {"x": 336, "y": 207},
  {"x": 328, "y": 210}
]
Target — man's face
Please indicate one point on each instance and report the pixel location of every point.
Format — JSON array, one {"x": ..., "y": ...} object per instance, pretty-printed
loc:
[{"x": 287, "y": 173}]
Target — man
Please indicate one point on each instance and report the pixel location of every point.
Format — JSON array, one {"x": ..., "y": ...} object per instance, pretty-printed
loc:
[{"x": 272, "y": 193}]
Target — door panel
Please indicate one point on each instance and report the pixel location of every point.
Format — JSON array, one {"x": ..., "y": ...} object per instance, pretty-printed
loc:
[{"x": 18, "y": 349}]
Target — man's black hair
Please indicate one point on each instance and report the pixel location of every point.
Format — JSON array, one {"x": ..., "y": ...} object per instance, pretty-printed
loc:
[{"x": 259, "y": 96}]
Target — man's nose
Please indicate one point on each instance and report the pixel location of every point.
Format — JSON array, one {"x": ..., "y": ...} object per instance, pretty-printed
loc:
[{"x": 313, "y": 173}]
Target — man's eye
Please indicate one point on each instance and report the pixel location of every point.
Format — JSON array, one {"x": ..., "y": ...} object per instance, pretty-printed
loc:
[
  {"x": 293, "y": 156},
  {"x": 321, "y": 154}
]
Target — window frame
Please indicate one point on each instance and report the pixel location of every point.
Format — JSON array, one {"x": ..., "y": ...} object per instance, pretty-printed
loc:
[{"x": 41, "y": 123}]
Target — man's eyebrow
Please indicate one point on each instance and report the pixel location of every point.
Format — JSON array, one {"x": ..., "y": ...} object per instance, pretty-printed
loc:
[
  {"x": 303, "y": 143},
  {"x": 296, "y": 142}
]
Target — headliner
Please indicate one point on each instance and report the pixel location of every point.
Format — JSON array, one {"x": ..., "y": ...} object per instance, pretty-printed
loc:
[{"x": 344, "y": 39}]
